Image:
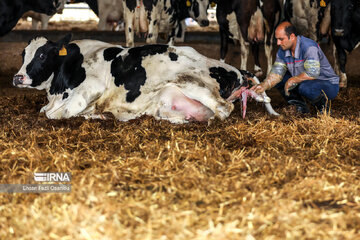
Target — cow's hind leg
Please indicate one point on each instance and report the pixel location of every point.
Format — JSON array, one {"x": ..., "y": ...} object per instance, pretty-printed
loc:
[{"x": 178, "y": 108}]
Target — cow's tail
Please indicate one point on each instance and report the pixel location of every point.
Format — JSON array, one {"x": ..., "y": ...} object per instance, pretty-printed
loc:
[{"x": 253, "y": 80}]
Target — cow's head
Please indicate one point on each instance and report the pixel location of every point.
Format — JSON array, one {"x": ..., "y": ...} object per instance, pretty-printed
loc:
[
  {"x": 342, "y": 14},
  {"x": 198, "y": 11},
  {"x": 41, "y": 58},
  {"x": 48, "y": 7}
]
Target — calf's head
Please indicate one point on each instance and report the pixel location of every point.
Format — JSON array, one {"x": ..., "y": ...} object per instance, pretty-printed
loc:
[
  {"x": 41, "y": 58},
  {"x": 198, "y": 11}
]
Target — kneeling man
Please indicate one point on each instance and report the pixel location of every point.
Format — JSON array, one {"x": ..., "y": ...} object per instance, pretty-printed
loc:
[{"x": 301, "y": 70}]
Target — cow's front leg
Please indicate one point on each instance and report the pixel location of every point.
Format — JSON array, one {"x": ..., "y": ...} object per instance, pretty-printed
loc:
[
  {"x": 77, "y": 102},
  {"x": 244, "y": 52},
  {"x": 59, "y": 108},
  {"x": 255, "y": 51},
  {"x": 129, "y": 18},
  {"x": 339, "y": 65},
  {"x": 153, "y": 27},
  {"x": 268, "y": 50}
]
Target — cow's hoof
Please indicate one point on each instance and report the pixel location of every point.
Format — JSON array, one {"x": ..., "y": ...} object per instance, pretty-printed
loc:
[
  {"x": 343, "y": 84},
  {"x": 343, "y": 80},
  {"x": 258, "y": 73}
]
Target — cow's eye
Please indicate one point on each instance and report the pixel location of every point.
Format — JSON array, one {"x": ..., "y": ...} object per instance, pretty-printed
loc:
[{"x": 42, "y": 56}]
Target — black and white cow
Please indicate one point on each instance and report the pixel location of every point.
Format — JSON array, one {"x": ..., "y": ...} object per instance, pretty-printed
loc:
[
  {"x": 42, "y": 18},
  {"x": 110, "y": 12},
  {"x": 88, "y": 78},
  {"x": 308, "y": 17},
  {"x": 12, "y": 10},
  {"x": 345, "y": 32},
  {"x": 154, "y": 16},
  {"x": 93, "y": 4},
  {"x": 250, "y": 22}
]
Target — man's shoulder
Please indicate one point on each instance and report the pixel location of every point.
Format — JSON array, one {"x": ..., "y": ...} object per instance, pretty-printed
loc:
[
  {"x": 281, "y": 53},
  {"x": 307, "y": 42}
]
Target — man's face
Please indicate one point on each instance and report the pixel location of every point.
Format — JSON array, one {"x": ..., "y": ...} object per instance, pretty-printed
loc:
[{"x": 283, "y": 40}]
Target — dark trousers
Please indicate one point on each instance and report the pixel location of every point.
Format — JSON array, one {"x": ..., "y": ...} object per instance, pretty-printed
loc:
[{"x": 310, "y": 89}]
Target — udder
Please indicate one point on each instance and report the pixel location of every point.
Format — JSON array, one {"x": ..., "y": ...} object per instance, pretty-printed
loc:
[{"x": 178, "y": 107}]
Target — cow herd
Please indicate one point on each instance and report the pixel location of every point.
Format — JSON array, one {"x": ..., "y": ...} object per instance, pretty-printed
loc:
[{"x": 249, "y": 22}]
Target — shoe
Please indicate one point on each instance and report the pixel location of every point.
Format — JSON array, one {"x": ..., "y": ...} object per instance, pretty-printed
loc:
[
  {"x": 321, "y": 103},
  {"x": 300, "y": 105}
]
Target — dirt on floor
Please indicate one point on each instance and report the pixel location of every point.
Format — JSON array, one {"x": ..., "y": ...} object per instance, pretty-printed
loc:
[{"x": 262, "y": 177}]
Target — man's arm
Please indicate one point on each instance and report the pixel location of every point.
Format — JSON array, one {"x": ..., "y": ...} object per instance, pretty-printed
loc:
[
  {"x": 275, "y": 76},
  {"x": 271, "y": 80},
  {"x": 312, "y": 71},
  {"x": 292, "y": 82}
]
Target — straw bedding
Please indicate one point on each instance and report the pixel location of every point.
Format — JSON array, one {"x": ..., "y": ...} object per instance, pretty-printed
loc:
[
  {"x": 261, "y": 177},
  {"x": 258, "y": 178}
]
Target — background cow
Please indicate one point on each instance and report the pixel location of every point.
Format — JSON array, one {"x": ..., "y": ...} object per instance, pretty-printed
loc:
[
  {"x": 93, "y": 4},
  {"x": 42, "y": 18},
  {"x": 88, "y": 78},
  {"x": 345, "y": 31},
  {"x": 111, "y": 12},
  {"x": 307, "y": 16},
  {"x": 251, "y": 22},
  {"x": 154, "y": 16},
  {"x": 12, "y": 10}
]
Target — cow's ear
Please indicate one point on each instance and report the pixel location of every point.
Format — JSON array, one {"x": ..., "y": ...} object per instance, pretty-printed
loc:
[{"x": 65, "y": 40}]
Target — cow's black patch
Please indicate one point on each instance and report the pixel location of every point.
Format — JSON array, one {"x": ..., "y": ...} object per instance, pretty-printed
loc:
[
  {"x": 11, "y": 11},
  {"x": 196, "y": 9},
  {"x": 173, "y": 56},
  {"x": 288, "y": 10},
  {"x": 65, "y": 95},
  {"x": 128, "y": 71},
  {"x": 43, "y": 64},
  {"x": 110, "y": 53},
  {"x": 67, "y": 70},
  {"x": 148, "y": 4},
  {"x": 131, "y": 4},
  {"x": 150, "y": 35},
  {"x": 23, "y": 56},
  {"x": 228, "y": 80},
  {"x": 69, "y": 74}
]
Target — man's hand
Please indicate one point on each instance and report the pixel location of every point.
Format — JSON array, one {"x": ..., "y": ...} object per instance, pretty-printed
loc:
[
  {"x": 289, "y": 85},
  {"x": 259, "y": 88}
]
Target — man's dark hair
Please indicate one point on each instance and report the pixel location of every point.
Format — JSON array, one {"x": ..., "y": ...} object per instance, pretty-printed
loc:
[{"x": 290, "y": 30}]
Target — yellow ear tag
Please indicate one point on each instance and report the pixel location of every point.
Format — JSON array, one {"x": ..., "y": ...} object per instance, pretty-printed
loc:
[
  {"x": 322, "y": 3},
  {"x": 63, "y": 51},
  {"x": 213, "y": 4},
  {"x": 188, "y": 3}
]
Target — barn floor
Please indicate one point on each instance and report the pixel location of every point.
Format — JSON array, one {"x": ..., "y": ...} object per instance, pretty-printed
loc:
[{"x": 261, "y": 177}]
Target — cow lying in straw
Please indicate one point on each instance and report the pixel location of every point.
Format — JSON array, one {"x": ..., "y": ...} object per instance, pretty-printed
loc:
[{"x": 88, "y": 78}]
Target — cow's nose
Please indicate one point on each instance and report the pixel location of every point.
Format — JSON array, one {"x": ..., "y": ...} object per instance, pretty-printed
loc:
[
  {"x": 339, "y": 32},
  {"x": 205, "y": 23},
  {"x": 18, "y": 79}
]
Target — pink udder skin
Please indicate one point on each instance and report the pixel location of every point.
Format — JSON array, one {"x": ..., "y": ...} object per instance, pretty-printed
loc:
[{"x": 192, "y": 109}]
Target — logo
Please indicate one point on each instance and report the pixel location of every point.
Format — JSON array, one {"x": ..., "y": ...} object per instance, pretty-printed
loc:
[{"x": 52, "y": 177}]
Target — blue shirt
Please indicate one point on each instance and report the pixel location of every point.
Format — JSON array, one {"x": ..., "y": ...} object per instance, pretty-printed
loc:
[{"x": 309, "y": 58}]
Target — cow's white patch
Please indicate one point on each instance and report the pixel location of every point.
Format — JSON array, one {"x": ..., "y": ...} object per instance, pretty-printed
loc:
[
  {"x": 30, "y": 51},
  {"x": 189, "y": 74}
]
